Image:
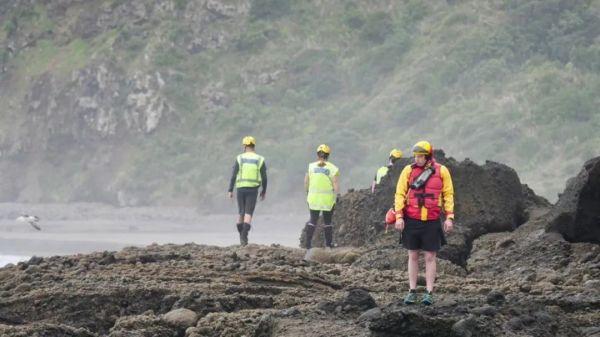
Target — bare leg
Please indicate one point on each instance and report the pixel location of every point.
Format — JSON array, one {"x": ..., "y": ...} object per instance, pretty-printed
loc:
[
  {"x": 247, "y": 218},
  {"x": 413, "y": 268},
  {"x": 430, "y": 270}
]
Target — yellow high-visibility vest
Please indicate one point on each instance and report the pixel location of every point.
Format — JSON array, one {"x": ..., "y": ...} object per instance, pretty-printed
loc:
[
  {"x": 248, "y": 175},
  {"x": 321, "y": 195},
  {"x": 381, "y": 173}
]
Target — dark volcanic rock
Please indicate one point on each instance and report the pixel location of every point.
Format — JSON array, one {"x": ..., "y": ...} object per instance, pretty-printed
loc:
[
  {"x": 472, "y": 326},
  {"x": 399, "y": 321},
  {"x": 495, "y": 297},
  {"x": 299, "y": 298},
  {"x": 577, "y": 214},
  {"x": 355, "y": 300},
  {"x": 43, "y": 330},
  {"x": 358, "y": 299},
  {"x": 146, "y": 325},
  {"x": 488, "y": 198}
]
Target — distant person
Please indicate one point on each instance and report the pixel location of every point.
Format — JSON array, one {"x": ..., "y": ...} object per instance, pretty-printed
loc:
[
  {"x": 249, "y": 173},
  {"x": 423, "y": 193},
  {"x": 322, "y": 187},
  {"x": 395, "y": 155}
]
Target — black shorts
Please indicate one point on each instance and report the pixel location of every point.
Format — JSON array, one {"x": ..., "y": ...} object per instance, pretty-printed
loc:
[
  {"x": 246, "y": 198},
  {"x": 422, "y": 235}
]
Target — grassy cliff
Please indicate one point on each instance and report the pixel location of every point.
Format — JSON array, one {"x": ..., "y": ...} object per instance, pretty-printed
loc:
[{"x": 135, "y": 102}]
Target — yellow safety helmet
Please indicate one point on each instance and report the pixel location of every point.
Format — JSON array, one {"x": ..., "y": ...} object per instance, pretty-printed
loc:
[
  {"x": 248, "y": 141},
  {"x": 423, "y": 147},
  {"x": 324, "y": 148},
  {"x": 395, "y": 153}
]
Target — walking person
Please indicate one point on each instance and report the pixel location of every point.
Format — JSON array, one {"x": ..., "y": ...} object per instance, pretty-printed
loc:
[{"x": 249, "y": 173}]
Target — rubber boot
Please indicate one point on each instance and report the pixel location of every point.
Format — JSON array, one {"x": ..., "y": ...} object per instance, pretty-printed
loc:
[
  {"x": 240, "y": 228},
  {"x": 328, "y": 236},
  {"x": 310, "y": 231},
  {"x": 245, "y": 230}
]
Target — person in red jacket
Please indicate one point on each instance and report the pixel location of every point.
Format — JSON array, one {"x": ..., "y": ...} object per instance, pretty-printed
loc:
[{"x": 423, "y": 194}]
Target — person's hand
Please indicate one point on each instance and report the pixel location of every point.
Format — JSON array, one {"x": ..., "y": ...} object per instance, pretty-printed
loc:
[
  {"x": 230, "y": 195},
  {"x": 399, "y": 224},
  {"x": 448, "y": 225},
  {"x": 263, "y": 195}
]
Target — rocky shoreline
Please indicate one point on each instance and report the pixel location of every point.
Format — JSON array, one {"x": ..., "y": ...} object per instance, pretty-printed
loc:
[{"x": 526, "y": 268}]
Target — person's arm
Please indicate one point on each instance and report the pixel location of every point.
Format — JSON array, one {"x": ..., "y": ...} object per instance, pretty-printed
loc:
[
  {"x": 336, "y": 184},
  {"x": 263, "y": 177},
  {"x": 401, "y": 191},
  {"x": 373, "y": 186},
  {"x": 447, "y": 193},
  {"x": 306, "y": 181},
  {"x": 236, "y": 169}
]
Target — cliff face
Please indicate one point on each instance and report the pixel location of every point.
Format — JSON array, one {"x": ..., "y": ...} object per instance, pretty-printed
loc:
[
  {"x": 525, "y": 281},
  {"x": 83, "y": 94},
  {"x": 144, "y": 102}
]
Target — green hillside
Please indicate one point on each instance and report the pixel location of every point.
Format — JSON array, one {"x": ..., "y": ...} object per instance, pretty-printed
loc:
[{"x": 137, "y": 102}]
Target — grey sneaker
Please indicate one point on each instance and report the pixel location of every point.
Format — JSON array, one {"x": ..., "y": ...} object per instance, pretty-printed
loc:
[
  {"x": 427, "y": 298},
  {"x": 411, "y": 297}
]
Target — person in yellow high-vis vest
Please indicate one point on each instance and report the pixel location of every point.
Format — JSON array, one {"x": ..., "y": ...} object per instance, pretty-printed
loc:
[
  {"x": 395, "y": 155},
  {"x": 249, "y": 173},
  {"x": 322, "y": 187}
]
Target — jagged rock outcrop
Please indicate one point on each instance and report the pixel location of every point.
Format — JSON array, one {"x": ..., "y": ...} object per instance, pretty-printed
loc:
[
  {"x": 97, "y": 89},
  {"x": 577, "y": 214},
  {"x": 489, "y": 198}
]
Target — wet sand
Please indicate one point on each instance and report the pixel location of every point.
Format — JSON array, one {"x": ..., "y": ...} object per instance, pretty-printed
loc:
[{"x": 84, "y": 228}]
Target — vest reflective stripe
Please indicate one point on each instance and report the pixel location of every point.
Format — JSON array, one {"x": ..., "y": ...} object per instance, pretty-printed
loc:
[
  {"x": 249, "y": 170},
  {"x": 381, "y": 173},
  {"x": 249, "y": 161},
  {"x": 321, "y": 196},
  {"x": 323, "y": 170}
]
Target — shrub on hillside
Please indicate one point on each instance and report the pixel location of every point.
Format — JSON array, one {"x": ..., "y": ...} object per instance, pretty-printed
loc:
[
  {"x": 376, "y": 28},
  {"x": 255, "y": 37},
  {"x": 551, "y": 28},
  {"x": 269, "y": 9}
]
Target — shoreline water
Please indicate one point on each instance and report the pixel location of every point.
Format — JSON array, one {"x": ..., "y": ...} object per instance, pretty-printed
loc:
[
  {"x": 14, "y": 259},
  {"x": 82, "y": 228}
]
